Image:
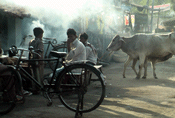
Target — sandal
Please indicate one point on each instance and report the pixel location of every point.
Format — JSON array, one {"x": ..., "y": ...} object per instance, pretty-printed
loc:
[
  {"x": 19, "y": 99},
  {"x": 27, "y": 93}
]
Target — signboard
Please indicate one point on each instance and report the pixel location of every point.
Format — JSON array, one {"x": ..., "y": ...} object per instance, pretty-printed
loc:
[
  {"x": 164, "y": 7},
  {"x": 133, "y": 21},
  {"x": 126, "y": 20}
]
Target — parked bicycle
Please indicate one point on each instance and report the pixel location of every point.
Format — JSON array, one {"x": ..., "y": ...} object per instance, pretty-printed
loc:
[
  {"x": 8, "y": 78},
  {"x": 79, "y": 86}
]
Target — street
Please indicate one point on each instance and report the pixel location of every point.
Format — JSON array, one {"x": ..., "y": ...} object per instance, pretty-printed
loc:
[{"x": 125, "y": 97}]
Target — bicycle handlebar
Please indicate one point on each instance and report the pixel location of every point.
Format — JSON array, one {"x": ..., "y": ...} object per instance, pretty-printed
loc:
[
  {"x": 30, "y": 50},
  {"x": 23, "y": 49}
]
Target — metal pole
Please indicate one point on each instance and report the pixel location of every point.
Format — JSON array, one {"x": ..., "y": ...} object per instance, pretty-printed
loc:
[
  {"x": 158, "y": 19},
  {"x": 148, "y": 16},
  {"x": 152, "y": 15},
  {"x": 123, "y": 21}
]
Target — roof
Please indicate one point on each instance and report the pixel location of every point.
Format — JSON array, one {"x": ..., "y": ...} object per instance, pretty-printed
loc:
[
  {"x": 12, "y": 10},
  {"x": 141, "y": 7}
]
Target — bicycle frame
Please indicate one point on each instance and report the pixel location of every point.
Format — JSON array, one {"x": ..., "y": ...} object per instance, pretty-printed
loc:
[
  {"x": 46, "y": 90},
  {"x": 19, "y": 67}
]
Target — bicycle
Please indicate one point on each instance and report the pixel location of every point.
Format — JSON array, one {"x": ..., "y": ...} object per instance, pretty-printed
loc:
[
  {"x": 62, "y": 47},
  {"x": 8, "y": 79},
  {"x": 79, "y": 86}
]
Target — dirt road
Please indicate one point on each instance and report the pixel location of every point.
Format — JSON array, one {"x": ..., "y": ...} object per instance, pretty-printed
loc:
[{"x": 125, "y": 97}]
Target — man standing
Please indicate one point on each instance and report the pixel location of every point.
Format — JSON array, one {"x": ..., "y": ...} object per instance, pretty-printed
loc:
[{"x": 38, "y": 46}]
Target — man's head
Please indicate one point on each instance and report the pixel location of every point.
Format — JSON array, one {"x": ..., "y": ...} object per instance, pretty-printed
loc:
[
  {"x": 38, "y": 32},
  {"x": 71, "y": 34},
  {"x": 83, "y": 37}
]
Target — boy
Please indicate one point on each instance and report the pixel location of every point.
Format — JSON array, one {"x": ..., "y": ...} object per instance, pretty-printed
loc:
[
  {"x": 38, "y": 46},
  {"x": 91, "y": 53}
]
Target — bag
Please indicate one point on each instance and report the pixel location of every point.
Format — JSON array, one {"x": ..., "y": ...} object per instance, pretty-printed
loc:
[{"x": 13, "y": 51}]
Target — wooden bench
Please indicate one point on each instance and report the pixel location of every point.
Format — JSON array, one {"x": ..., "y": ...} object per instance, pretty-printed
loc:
[{"x": 84, "y": 74}]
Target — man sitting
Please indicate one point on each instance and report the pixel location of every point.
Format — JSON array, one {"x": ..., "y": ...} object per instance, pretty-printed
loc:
[
  {"x": 91, "y": 53},
  {"x": 76, "y": 50}
]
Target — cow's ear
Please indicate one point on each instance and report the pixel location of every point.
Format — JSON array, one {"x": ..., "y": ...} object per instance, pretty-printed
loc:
[{"x": 121, "y": 39}]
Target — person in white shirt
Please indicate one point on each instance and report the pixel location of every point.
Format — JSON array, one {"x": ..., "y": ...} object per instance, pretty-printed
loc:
[
  {"x": 91, "y": 53},
  {"x": 76, "y": 49}
]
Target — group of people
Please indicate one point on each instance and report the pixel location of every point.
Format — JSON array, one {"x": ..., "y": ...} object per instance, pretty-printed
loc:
[{"x": 78, "y": 49}]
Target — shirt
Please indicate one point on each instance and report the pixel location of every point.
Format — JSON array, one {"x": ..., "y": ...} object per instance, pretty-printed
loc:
[
  {"x": 37, "y": 45},
  {"x": 77, "y": 52},
  {"x": 91, "y": 53}
]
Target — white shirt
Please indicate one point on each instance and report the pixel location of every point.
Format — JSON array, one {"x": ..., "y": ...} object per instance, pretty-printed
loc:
[
  {"x": 78, "y": 51},
  {"x": 91, "y": 54}
]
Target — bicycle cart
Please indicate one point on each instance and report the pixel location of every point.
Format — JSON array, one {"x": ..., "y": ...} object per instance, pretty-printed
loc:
[{"x": 79, "y": 86}]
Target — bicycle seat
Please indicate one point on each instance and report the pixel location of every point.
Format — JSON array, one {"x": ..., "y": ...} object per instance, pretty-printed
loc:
[{"x": 58, "y": 54}]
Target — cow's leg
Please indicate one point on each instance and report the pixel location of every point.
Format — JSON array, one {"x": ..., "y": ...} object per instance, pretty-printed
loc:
[
  {"x": 154, "y": 68},
  {"x": 133, "y": 65},
  {"x": 145, "y": 68},
  {"x": 141, "y": 64},
  {"x": 125, "y": 65}
]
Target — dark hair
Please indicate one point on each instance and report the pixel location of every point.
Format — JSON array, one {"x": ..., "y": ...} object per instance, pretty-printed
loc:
[
  {"x": 71, "y": 31},
  {"x": 84, "y": 35},
  {"x": 37, "y": 31}
]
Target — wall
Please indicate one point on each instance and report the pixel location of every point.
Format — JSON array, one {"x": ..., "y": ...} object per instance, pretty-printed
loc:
[
  {"x": 3, "y": 31},
  {"x": 14, "y": 31}
]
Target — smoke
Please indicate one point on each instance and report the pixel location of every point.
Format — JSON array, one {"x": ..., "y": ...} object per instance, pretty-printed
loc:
[{"x": 62, "y": 14}]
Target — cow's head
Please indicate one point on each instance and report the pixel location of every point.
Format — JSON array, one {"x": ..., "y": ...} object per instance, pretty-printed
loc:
[{"x": 115, "y": 44}]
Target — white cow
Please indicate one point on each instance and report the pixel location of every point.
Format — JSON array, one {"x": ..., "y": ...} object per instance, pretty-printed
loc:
[{"x": 144, "y": 47}]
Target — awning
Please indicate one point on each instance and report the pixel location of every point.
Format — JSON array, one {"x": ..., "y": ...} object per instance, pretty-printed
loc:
[{"x": 141, "y": 7}]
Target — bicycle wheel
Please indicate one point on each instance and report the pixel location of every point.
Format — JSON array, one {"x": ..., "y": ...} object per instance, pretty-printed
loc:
[
  {"x": 7, "y": 83},
  {"x": 60, "y": 48},
  {"x": 81, "y": 86}
]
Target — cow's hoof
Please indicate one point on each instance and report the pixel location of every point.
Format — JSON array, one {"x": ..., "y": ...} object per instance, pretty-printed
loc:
[
  {"x": 143, "y": 77},
  {"x": 155, "y": 78},
  {"x": 124, "y": 77}
]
